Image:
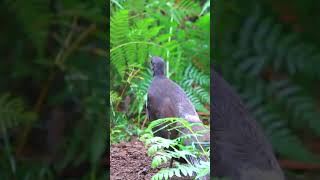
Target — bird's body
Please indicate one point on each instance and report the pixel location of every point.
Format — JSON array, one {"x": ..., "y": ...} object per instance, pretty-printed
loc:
[
  {"x": 166, "y": 99},
  {"x": 241, "y": 151}
]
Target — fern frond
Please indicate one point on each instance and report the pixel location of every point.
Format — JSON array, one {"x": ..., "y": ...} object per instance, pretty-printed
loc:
[
  {"x": 196, "y": 85},
  {"x": 264, "y": 103},
  {"x": 167, "y": 173},
  {"x": 197, "y": 76},
  {"x": 13, "y": 112},
  {"x": 301, "y": 108},
  {"x": 119, "y": 28},
  {"x": 262, "y": 44}
]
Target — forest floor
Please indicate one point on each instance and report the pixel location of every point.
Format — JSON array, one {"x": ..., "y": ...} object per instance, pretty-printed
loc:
[{"x": 129, "y": 161}]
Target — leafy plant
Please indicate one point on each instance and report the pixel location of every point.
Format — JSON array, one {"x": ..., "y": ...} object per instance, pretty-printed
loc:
[
  {"x": 12, "y": 114},
  {"x": 158, "y": 148}
]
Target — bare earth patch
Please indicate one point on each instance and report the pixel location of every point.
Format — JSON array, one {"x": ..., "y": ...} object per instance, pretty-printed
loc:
[{"x": 129, "y": 161}]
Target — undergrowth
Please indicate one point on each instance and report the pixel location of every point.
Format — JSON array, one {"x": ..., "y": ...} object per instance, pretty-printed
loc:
[{"x": 158, "y": 148}]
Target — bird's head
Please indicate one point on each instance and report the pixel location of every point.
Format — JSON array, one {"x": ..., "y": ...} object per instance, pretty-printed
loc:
[{"x": 158, "y": 66}]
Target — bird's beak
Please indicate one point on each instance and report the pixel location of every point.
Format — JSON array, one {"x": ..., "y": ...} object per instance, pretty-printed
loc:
[{"x": 151, "y": 65}]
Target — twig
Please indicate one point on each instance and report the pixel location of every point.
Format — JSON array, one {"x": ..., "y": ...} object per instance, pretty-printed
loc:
[
  {"x": 132, "y": 74},
  {"x": 143, "y": 123},
  {"x": 61, "y": 58},
  {"x": 203, "y": 114}
]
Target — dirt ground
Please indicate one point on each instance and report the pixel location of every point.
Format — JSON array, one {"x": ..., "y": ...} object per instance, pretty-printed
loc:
[{"x": 129, "y": 161}]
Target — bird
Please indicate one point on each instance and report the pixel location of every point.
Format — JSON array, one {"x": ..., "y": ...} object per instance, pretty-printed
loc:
[
  {"x": 241, "y": 150},
  {"x": 167, "y": 99}
]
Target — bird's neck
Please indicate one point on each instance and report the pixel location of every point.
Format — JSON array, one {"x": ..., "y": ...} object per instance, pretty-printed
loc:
[
  {"x": 158, "y": 71},
  {"x": 159, "y": 75}
]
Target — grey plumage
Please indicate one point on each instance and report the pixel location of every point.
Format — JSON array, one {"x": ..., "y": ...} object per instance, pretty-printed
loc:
[
  {"x": 241, "y": 151},
  {"x": 167, "y": 99}
]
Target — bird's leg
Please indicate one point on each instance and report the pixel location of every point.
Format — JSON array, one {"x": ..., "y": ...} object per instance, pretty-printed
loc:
[{"x": 171, "y": 162}]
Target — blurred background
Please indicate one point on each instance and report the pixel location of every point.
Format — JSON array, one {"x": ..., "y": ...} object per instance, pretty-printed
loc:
[
  {"x": 269, "y": 52},
  {"x": 53, "y": 89},
  {"x": 54, "y": 76}
]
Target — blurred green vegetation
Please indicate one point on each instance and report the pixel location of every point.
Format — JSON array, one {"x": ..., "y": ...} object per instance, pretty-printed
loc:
[
  {"x": 52, "y": 92},
  {"x": 177, "y": 31},
  {"x": 269, "y": 52}
]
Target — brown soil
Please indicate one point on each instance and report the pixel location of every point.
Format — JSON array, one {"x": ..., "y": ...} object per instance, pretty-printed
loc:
[{"x": 129, "y": 161}]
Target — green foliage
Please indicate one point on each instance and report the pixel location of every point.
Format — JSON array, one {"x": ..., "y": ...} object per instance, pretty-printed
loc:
[
  {"x": 167, "y": 173},
  {"x": 38, "y": 12},
  {"x": 13, "y": 113},
  {"x": 119, "y": 30},
  {"x": 158, "y": 149},
  {"x": 261, "y": 42},
  {"x": 265, "y": 65},
  {"x": 196, "y": 85}
]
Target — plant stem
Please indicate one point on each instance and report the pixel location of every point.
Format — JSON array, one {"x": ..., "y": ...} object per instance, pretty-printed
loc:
[{"x": 8, "y": 150}]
